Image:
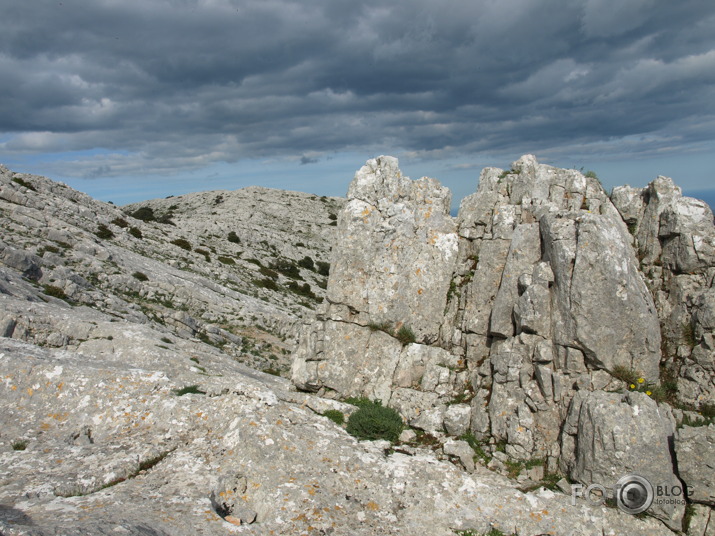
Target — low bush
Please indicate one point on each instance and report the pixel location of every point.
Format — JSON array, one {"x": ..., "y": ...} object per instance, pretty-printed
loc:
[
  {"x": 120, "y": 222},
  {"x": 323, "y": 268},
  {"x": 233, "y": 237},
  {"x": 335, "y": 415},
  {"x": 375, "y": 421},
  {"x": 182, "y": 243},
  {"x": 306, "y": 262},
  {"x": 55, "y": 292},
  {"x": 189, "y": 390},
  {"x": 104, "y": 232},
  {"x": 140, "y": 276},
  {"x": 144, "y": 214},
  {"x": 24, "y": 183},
  {"x": 136, "y": 232},
  {"x": 226, "y": 260}
]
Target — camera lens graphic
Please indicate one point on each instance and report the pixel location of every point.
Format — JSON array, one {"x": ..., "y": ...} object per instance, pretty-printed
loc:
[{"x": 634, "y": 494}]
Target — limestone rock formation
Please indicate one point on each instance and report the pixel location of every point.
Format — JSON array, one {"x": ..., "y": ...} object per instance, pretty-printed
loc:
[
  {"x": 550, "y": 296},
  {"x": 130, "y": 402}
]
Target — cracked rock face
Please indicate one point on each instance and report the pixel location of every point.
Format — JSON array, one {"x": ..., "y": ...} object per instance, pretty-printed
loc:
[{"x": 549, "y": 289}]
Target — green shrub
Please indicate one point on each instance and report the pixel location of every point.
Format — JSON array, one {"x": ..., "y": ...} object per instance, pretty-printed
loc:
[
  {"x": 405, "y": 335},
  {"x": 104, "y": 232},
  {"x": 136, "y": 232},
  {"x": 358, "y": 401},
  {"x": 19, "y": 445},
  {"x": 306, "y": 262},
  {"x": 266, "y": 283},
  {"x": 591, "y": 175},
  {"x": 708, "y": 410},
  {"x": 233, "y": 237},
  {"x": 55, "y": 292},
  {"x": 375, "y": 421},
  {"x": 323, "y": 268},
  {"x": 272, "y": 371},
  {"x": 335, "y": 415},
  {"x": 120, "y": 222},
  {"x": 268, "y": 272},
  {"x": 144, "y": 214},
  {"x": 333, "y": 217},
  {"x": 688, "y": 333},
  {"x": 302, "y": 290},
  {"x": 140, "y": 276},
  {"x": 226, "y": 260},
  {"x": 24, "y": 183},
  {"x": 189, "y": 390},
  {"x": 182, "y": 243},
  {"x": 287, "y": 268}
]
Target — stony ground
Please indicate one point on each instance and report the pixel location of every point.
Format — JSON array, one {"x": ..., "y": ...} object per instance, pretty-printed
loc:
[{"x": 133, "y": 399}]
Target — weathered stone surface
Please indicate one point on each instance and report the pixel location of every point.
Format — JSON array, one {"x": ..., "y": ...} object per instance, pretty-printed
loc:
[
  {"x": 400, "y": 244},
  {"x": 624, "y": 434},
  {"x": 695, "y": 452}
]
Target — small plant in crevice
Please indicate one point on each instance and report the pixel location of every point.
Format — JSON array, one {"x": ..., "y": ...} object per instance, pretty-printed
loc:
[
  {"x": 233, "y": 238},
  {"x": 55, "y": 292},
  {"x": 140, "y": 276},
  {"x": 405, "y": 335},
  {"x": 19, "y": 445},
  {"x": 374, "y": 421},
  {"x": 385, "y": 326},
  {"x": 477, "y": 447},
  {"x": 335, "y": 415},
  {"x": 136, "y": 232},
  {"x": 688, "y": 333},
  {"x": 24, "y": 183},
  {"x": 189, "y": 390},
  {"x": 272, "y": 371},
  {"x": 629, "y": 376},
  {"x": 226, "y": 260}
]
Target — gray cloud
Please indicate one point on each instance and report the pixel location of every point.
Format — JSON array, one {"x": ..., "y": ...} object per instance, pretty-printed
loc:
[{"x": 179, "y": 84}]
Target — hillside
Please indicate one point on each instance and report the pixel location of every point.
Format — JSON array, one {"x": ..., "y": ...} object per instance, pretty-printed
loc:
[
  {"x": 229, "y": 268},
  {"x": 141, "y": 350}
]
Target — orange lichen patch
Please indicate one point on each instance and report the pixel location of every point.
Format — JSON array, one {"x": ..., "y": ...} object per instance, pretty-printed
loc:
[
  {"x": 60, "y": 386},
  {"x": 279, "y": 422},
  {"x": 30, "y": 392},
  {"x": 420, "y": 291},
  {"x": 252, "y": 423},
  {"x": 372, "y": 505},
  {"x": 14, "y": 387},
  {"x": 58, "y": 416},
  {"x": 233, "y": 520},
  {"x": 418, "y": 271},
  {"x": 347, "y": 337}
]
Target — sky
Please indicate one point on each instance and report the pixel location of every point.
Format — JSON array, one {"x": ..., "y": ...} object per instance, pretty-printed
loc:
[{"x": 136, "y": 99}]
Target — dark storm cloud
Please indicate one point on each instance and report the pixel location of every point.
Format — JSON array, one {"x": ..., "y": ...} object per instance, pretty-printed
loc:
[{"x": 174, "y": 84}]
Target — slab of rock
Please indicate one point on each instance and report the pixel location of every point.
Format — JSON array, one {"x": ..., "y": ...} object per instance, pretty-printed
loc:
[{"x": 695, "y": 452}]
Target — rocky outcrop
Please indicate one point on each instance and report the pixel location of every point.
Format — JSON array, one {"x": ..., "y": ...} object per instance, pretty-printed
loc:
[
  {"x": 238, "y": 270},
  {"x": 675, "y": 242},
  {"x": 540, "y": 295}
]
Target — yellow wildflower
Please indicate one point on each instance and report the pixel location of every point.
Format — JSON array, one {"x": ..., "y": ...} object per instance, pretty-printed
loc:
[
  {"x": 641, "y": 380},
  {"x": 633, "y": 386},
  {"x": 648, "y": 393}
]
